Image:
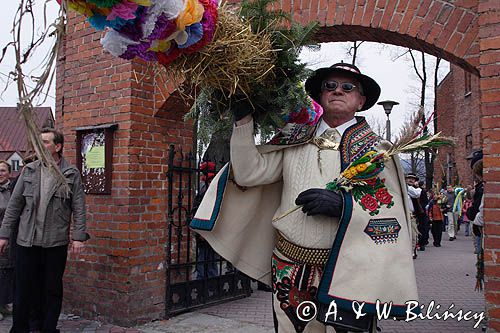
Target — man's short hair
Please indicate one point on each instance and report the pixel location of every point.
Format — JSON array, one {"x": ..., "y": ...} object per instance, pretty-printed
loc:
[
  {"x": 9, "y": 167},
  {"x": 58, "y": 136}
]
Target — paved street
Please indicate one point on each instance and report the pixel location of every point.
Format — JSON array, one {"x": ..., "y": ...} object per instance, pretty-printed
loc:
[{"x": 445, "y": 275}]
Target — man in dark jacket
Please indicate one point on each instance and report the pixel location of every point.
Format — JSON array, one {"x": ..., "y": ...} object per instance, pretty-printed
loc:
[
  {"x": 44, "y": 208},
  {"x": 476, "y": 164}
]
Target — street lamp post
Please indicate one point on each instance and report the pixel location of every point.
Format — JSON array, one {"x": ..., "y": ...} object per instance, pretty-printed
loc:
[{"x": 387, "y": 105}]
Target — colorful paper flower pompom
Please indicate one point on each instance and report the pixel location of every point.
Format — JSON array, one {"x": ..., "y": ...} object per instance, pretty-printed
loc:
[
  {"x": 82, "y": 7},
  {"x": 209, "y": 22},
  {"x": 133, "y": 29},
  {"x": 100, "y": 22},
  {"x": 125, "y": 10},
  {"x": 163, "y": 28},
  {"x": 104, "y": 3},
  {"x": 115, "y": 43},
  {"x": 309, "y": 115},
  {"x": 153, "y": 30},
  {"x": 167, "y": 58},
  {"x": 145, "y": 3},
  {"x": 192, "y": 13},
  {"x": 168, "y": 9},
  {"x": 194, "y": 34}
]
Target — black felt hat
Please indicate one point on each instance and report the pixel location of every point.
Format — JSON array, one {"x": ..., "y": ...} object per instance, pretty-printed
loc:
[
  {"x": 411, "y": 175},
  {"x": 370, "y": 88},
  {"x": 474, "y": 157}
]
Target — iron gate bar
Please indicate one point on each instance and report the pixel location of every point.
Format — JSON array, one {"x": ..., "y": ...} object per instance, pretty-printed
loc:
[{"x": 196, "y": 283}]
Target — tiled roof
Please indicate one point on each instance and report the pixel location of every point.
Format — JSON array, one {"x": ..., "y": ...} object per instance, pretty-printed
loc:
[
  {"x": 4, "y": 156},
  {"x": 12, "y": 129}
]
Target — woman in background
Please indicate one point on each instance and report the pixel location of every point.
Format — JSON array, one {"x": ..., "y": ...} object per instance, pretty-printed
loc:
[
  {"x": 6, "y": 259},
  {"x": 436, "y": 218}
]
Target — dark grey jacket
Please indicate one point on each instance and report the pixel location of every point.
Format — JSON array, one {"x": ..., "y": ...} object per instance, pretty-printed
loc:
[{"x": 24, "y": 202}]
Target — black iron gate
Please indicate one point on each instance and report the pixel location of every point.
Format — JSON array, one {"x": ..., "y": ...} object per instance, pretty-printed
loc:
[{"x": 196, "y": 275}]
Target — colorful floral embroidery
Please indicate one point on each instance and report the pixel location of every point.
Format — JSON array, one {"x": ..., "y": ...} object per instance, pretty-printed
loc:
[
  {"x": 373, "y": 195},
  {"x": 293, "y": 284}
]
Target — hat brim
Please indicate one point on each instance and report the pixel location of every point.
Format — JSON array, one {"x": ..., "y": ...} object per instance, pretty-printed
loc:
[{"x": 370, "y": 87}]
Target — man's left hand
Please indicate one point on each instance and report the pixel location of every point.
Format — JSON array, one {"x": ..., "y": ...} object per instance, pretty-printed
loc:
[
  {"x": 320, "y": 201},
  {"x": 77, "y": 247}
]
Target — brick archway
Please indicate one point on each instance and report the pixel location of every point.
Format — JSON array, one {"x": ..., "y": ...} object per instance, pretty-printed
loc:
[{"x": 128, "y": 227}]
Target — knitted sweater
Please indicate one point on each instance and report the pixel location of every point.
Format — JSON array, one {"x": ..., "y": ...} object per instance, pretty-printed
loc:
[{"x": 301, "y": 167}]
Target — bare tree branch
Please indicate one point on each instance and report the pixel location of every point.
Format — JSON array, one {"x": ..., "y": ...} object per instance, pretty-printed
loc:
[
  {"x": 27, "y": 95},
  {"x": 401, "y": 55},
  {"x": 353, "y": 51},
  {"x": 415, "y": 65}
]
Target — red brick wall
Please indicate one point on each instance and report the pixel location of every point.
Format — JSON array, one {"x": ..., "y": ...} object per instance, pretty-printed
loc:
[
  {"x": 121, "y": 277},
  {"x": 490, "y": 122},
  {"x": 458, "y": 115}
]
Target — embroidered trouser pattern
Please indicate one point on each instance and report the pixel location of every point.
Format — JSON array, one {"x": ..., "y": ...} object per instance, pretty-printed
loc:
[{"x": 294, "y": 283}]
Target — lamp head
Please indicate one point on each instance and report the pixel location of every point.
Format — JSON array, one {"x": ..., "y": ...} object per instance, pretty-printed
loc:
[{"x": 387, "y": 105}]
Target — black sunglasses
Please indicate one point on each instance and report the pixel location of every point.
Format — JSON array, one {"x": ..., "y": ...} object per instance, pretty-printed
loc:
[{"x": 332, "y": 85}]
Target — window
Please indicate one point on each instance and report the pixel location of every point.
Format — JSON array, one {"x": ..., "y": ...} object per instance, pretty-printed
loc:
[
  {"x": 467, "y": 84},
  {"x": 15, "y": 165},
  {"x": 468, "y": 142}
]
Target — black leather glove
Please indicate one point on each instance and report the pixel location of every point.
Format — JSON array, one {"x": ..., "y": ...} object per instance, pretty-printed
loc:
[
  {"x": 320, "y": 201},
  {"x": 240, "y": 107}
]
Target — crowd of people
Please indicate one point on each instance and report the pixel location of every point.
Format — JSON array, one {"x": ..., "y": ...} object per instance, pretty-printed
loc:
[{"x": 449, "y": 209}]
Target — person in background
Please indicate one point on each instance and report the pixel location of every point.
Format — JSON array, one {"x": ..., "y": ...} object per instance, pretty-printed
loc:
[
  {"x": 465, "y": 206},
  {"x": 452, "y": 223},
  {"x": 457, "y": 207},
  {"x": 436, "y": 217},
  {"x": 44, "y": 209},
  {"x": 6, "y": 259},
  {"x": 423, "y": 219},
  {"x": 474, "y": 213},
  {"x": 416, "y": 210}
]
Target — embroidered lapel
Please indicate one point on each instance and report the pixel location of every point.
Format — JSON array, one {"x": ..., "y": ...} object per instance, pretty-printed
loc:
[
  {"x": 293, "y": 134},
  {"x": 356, "y": 141}
]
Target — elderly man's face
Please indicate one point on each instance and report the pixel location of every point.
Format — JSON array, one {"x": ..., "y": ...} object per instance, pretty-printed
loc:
[
  {"x": 339, "y": 103},
  {"x": 410, "y": 181}
]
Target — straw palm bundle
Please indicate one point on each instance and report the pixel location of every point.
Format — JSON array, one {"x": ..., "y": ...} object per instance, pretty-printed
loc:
[{"x": 233, "y": 62}]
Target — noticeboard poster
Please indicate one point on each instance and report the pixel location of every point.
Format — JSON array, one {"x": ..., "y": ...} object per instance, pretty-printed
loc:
[{"x": 94, "y": 158}]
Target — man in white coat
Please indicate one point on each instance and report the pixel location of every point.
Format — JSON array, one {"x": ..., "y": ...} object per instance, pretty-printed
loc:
[{"x": 344, "y": 247}]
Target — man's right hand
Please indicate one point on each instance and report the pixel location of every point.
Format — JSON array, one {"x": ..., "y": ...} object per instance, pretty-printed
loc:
[{"x": 4, "y": 243}]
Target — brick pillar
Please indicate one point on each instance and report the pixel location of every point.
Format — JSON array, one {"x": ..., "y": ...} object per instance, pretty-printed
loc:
[
  {"x": 490, "y": 122},
  {"x": 121, "y": 277}
]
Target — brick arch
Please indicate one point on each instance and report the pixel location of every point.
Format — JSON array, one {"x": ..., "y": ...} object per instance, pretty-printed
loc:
[
  {"x": 441, "y": 28},
  {"x": 345, "y": 33}
]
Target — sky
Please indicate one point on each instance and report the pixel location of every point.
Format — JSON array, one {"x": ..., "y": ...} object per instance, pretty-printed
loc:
[
  {"x": 9, "y": 97},
  {"x": 396, "y": 78}
]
